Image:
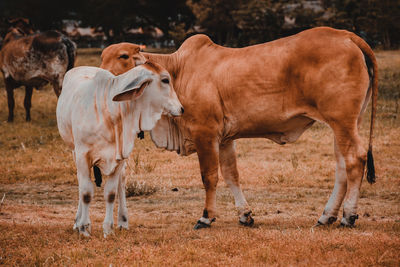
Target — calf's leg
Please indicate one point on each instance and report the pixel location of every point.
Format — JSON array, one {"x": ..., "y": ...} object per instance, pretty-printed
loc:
[
  {"x": 86, "y": 191},
  {"x": 227, "y": 161},
  {"x": 110, "y": 193},
  {"x": 122, "y": 209}
]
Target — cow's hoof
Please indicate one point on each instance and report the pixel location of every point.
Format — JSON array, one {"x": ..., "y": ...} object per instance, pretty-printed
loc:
[
  {"x": 10, "y": 119},
  {"x": 330, "y": 221},
  {"x": 318, "y": 224},
  {"x": 349, "y": 223},
  {"x": 200, "y": 225},
  {"x": 246, "y": 219},
  {"x": 108, "y": 229},
  {"x": 84, "y": 230},
  {"x": 123, "y": 222}
]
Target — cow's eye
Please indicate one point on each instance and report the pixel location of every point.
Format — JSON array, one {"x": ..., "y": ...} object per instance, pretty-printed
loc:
[
  {"x": 165, "y": 80},
  {"x": 124, "y": 56}
]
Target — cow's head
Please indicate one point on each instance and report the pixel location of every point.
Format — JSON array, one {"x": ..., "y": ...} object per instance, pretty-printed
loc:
[
  {"x": 119, "y": 58},
  {"x": 150, "y": 86}
]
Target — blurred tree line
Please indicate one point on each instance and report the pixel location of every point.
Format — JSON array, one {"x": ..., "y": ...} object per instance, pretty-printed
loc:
[{"x": 227, "y": 22}]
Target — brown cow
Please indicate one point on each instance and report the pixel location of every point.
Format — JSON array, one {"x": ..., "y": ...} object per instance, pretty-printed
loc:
[
  {"x": 33, "y": 60},
  {"x": 119, "y": 58},
  {"x": 274, "y": 90}
]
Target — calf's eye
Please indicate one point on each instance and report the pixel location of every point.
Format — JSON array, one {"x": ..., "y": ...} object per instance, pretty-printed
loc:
[
  {"x": 124, "y": 56},
  {"x": 165, "y": 80}
]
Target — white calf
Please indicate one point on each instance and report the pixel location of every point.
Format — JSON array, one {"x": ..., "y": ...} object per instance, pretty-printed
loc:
[{"x": 98, "y": 116}]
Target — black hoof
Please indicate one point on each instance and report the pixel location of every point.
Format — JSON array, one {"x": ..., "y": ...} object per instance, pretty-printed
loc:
[
  {"x": 318, "y": 224},
  {"x": 352, "y": 220},
  {"x": 330, "y": 221},
  {"x": 200, "y": 225},
  {"x": 249, "y": 220}
]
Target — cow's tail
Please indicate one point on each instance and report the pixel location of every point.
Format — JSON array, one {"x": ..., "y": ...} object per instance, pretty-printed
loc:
[
  {"x": 71, "y": 51},
  {"x": 97, "y": 176},
  {"x": 373, "y": 73}
]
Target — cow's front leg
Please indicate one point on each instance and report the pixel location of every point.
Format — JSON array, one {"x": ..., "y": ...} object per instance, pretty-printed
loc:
[
  {"x": 207, "y": 152},
  {"x": 122, "y": 209},
  {"x": 57, "y": 87},
  {"x": 27, "y": 102},
  {"x": 227, "y": 161},
  {"x": 86, "y": 191},
  {"x": 110, "y": 193},
  {"x": 10, "y": 101}
]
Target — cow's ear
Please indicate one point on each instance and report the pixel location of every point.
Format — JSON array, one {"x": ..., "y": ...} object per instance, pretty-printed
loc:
[{"x": 132, "y": 91}]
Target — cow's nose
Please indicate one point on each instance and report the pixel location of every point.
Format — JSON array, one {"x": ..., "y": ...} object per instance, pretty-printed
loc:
[{"x": 182, "y": 110}]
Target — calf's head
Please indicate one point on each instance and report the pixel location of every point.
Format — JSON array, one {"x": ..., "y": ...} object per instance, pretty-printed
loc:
[
  {"x": 119, "y": 58},
  {"x": 150, "y": 86}
]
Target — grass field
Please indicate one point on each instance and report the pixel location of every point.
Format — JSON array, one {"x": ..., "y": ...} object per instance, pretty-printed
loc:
[{"x": 287, "y": 187}]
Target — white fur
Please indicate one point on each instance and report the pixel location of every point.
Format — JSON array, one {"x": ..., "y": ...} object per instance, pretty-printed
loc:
[{"x": 102, "y": 131}]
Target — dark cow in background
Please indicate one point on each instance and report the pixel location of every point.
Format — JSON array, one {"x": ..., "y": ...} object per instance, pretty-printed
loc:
[{"x": 33, "y": 60}]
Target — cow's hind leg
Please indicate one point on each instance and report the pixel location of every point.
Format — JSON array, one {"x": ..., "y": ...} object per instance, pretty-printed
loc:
[
  {"x": 354, "y": 155},
  {"x": 86, "y": 191},
  {"x": 331, "y": 210},
  {"x": 27, "y": 101},
  {"x": 122, "y": 209},
  {"x": 227, "y": 161},
  {"x": 207, "y": 151},
  {"x": 110, "y": 193}
]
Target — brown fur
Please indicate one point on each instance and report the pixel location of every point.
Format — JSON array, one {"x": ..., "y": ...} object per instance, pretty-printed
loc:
[
  {"x": 274, "y": 90},
  {"x": 33, "y": 61},
  {"x": 112, "y": 57}
]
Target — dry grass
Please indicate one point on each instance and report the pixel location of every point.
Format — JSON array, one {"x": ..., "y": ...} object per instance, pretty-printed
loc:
[{"x": 287, "y": 186}]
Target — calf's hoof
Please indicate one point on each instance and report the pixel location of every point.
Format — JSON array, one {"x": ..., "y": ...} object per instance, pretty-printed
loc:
[
  {"x": 246, "y": 219},
  {"x": 84, "y": 230},
  {"x": 123, "y": 223},
  {"x": 349, "y": 223},
  {"x": 108, "y": 229},
  {"x": 10, "y": 119},
  {"x": 330, "y": 221}
]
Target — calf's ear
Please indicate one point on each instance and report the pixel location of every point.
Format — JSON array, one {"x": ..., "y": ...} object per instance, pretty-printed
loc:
[{"x": 132, "y": 91}]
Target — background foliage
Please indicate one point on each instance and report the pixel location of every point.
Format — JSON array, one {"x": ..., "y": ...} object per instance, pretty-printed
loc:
[{"x": 228, "y": 22}]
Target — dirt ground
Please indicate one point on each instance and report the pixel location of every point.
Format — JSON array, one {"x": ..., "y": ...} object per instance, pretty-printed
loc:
[{"x": 286, "y": 186}]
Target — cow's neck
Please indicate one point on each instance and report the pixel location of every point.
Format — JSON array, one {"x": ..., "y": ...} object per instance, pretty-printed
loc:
[{"x": 170, "y": 62}]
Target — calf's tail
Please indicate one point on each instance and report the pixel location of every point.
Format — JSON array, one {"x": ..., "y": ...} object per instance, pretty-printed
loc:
[
  {"x": 372, "y": 67},
  {"x": 97, "y": 176}
]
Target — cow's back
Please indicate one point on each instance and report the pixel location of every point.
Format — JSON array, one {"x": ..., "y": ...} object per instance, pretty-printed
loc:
[
  {"x": 76, "y": 89},
  {"x": 33, "y": 60},
  {"x": 270, "y": 83}
]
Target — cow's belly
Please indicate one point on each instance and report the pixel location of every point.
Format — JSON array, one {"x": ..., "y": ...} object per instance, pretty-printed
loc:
[{"x": 279, "y": 131}]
